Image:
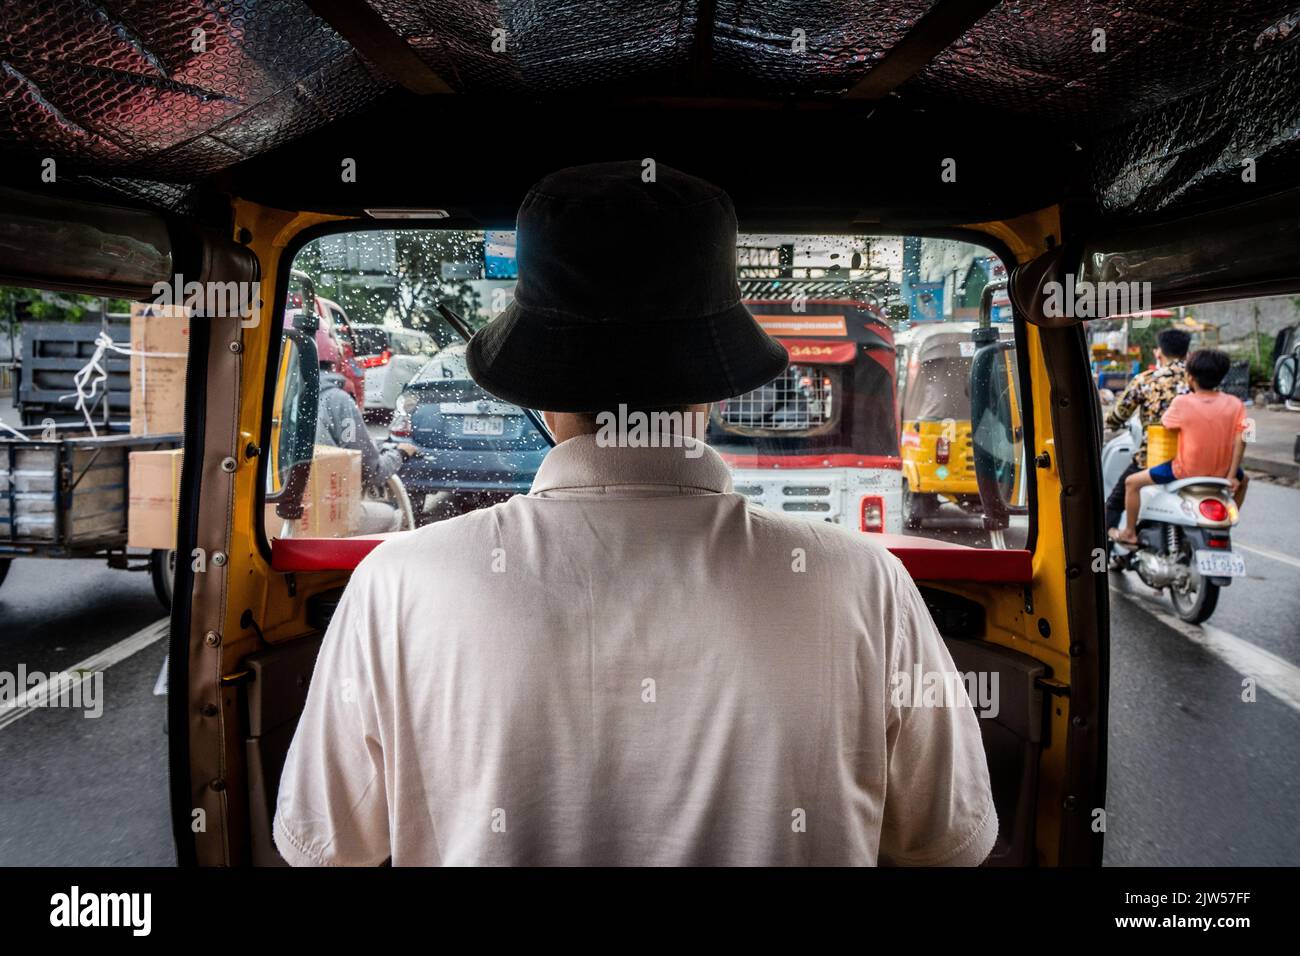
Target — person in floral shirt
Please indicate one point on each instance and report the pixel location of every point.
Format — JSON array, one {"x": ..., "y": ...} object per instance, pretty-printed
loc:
[{"x": 1149, "y": 395}]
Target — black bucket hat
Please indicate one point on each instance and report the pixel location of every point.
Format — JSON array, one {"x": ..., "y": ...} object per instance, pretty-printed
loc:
[{"x": 627, "y": 293}]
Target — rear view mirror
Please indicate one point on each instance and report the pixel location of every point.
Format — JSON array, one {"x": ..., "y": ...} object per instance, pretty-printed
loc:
[
  {"x": 302, "y": 296},
  {"x": 293, "y": 424},
  {"x": 1039, "y": 283},
  {"x": 997, "y": 434}
]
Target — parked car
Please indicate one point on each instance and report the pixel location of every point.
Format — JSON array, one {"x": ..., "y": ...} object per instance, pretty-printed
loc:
[
  {"x": 389, "y": 358},
  {"x": 473, "y": 448}
]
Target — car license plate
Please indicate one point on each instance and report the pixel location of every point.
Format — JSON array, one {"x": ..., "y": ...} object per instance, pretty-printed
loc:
[
  {"x": 1220, "y": 564},
  {"x": 482, "y": 425}
]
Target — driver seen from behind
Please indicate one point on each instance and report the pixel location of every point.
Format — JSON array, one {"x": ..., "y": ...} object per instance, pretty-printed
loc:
[{"x": 631, "y": 664}]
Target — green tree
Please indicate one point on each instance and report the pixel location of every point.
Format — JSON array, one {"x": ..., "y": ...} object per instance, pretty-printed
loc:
[
  {"x": 432, "y": 267},
  {"x": 435, "y": 268},
  {"x": 13, "y": 303},
  {"x": 18, "y": 305}
]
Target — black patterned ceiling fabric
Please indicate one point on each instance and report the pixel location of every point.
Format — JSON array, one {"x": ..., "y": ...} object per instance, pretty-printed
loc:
[
  {"x": 1100, "y": 63},
  {"x": 1167, "y": 98},
  {"x": 142, "y": 90},
  {"x": 633, "y": 46},
  {"x": 1171, "y": 96},
  {"x": 1242, "y": 131},
  {"x": 810, "y": 49}
]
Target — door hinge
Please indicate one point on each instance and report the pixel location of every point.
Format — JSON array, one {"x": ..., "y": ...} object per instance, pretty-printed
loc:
[{"x": 1050, "y": 685}]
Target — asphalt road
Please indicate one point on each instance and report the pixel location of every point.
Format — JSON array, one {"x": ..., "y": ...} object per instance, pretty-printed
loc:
[
  {"x": 74, "y": 789},
  {"x": 1196, "y": 775}
]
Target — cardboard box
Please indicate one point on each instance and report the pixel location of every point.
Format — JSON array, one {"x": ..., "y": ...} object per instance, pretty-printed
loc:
[
  {"x": 162, "y": 334},
  {"x": 331, "y": 506},
  {"x": 331, "y": 503},
  {"x": 153, "y": 496}
]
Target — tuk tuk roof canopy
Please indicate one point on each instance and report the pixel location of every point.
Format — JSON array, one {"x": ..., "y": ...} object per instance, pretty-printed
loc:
[
  {"x": 1141, "y": 108},
  {"x": 939, "y": 358}
]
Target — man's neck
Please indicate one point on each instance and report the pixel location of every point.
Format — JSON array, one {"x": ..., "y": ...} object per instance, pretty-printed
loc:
[{"x": 692, "y": 421}]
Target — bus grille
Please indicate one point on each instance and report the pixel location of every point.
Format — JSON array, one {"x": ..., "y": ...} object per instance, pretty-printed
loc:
[{"x": 798, "y": 399}]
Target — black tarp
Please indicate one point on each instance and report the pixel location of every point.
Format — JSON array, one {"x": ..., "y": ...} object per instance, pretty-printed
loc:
[{"x": 1167, "y": 101}]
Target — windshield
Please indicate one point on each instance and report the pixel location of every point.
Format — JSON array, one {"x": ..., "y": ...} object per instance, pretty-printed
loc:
[{"x": 877, "y": 329}]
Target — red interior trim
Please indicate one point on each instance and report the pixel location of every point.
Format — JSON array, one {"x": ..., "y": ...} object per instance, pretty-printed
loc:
[
  {"x": 929, "y": 560},
  {"x": 924, "y": 558},
  {"x": 322, "y": 554}
]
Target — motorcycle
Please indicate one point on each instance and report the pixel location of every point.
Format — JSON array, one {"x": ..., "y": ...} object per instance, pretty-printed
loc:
[{"x": 1184, "y": 534}]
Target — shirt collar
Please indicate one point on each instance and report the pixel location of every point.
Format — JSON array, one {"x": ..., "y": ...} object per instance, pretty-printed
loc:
[{"x": 581, "y": 463}]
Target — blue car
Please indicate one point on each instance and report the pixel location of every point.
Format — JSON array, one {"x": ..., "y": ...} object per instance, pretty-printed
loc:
[{"x": 474, "y": 449}]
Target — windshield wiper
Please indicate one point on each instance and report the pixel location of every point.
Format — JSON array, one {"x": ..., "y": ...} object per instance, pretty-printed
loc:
[{"x": 461, "y": 328}]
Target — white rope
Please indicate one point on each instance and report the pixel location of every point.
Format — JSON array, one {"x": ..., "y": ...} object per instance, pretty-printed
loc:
[
  {"x": 14, "y": 431},
  {"x": 94, "y": 374}
]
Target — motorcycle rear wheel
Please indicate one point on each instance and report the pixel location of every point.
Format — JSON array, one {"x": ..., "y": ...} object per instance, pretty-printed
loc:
[{"x": 1194, "y": 605}]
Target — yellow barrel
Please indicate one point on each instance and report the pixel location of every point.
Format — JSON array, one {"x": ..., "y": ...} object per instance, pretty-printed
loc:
[{"x": 1162, "y": 444}]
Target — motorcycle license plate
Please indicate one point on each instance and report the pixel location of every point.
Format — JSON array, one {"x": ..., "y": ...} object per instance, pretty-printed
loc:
[
  {"x": 1220, "y": 564},
  {"x": 483, "y": 425}
]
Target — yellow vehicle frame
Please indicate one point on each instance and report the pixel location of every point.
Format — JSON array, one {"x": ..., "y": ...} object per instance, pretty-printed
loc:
[{"x": 1032, "y": 620}]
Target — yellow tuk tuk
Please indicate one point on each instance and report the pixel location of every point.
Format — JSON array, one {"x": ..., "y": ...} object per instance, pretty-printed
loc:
[{"x": 934, "y": 366}]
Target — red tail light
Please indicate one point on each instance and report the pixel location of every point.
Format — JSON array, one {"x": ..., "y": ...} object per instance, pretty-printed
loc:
[
  {"x": 873, "y": 513},
  {"x": 374, "y": 361},
  {"x": 941, "y": 450},
  {"x": 1214, "y": 510},
  {"x": 400, "y": 426},
  {"x": 294, "y": 301},
  {"x": 1222, "y": 542}
]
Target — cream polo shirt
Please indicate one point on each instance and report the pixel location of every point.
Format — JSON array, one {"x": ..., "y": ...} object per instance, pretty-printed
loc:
[{"x": 631, "y": 665}]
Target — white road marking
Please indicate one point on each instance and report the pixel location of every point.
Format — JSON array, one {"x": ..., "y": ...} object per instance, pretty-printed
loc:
[
  {"x": 1266, "y": 553},
  {"x": 1279, "y": 677},
  {"x": 113, "y": 654}
]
